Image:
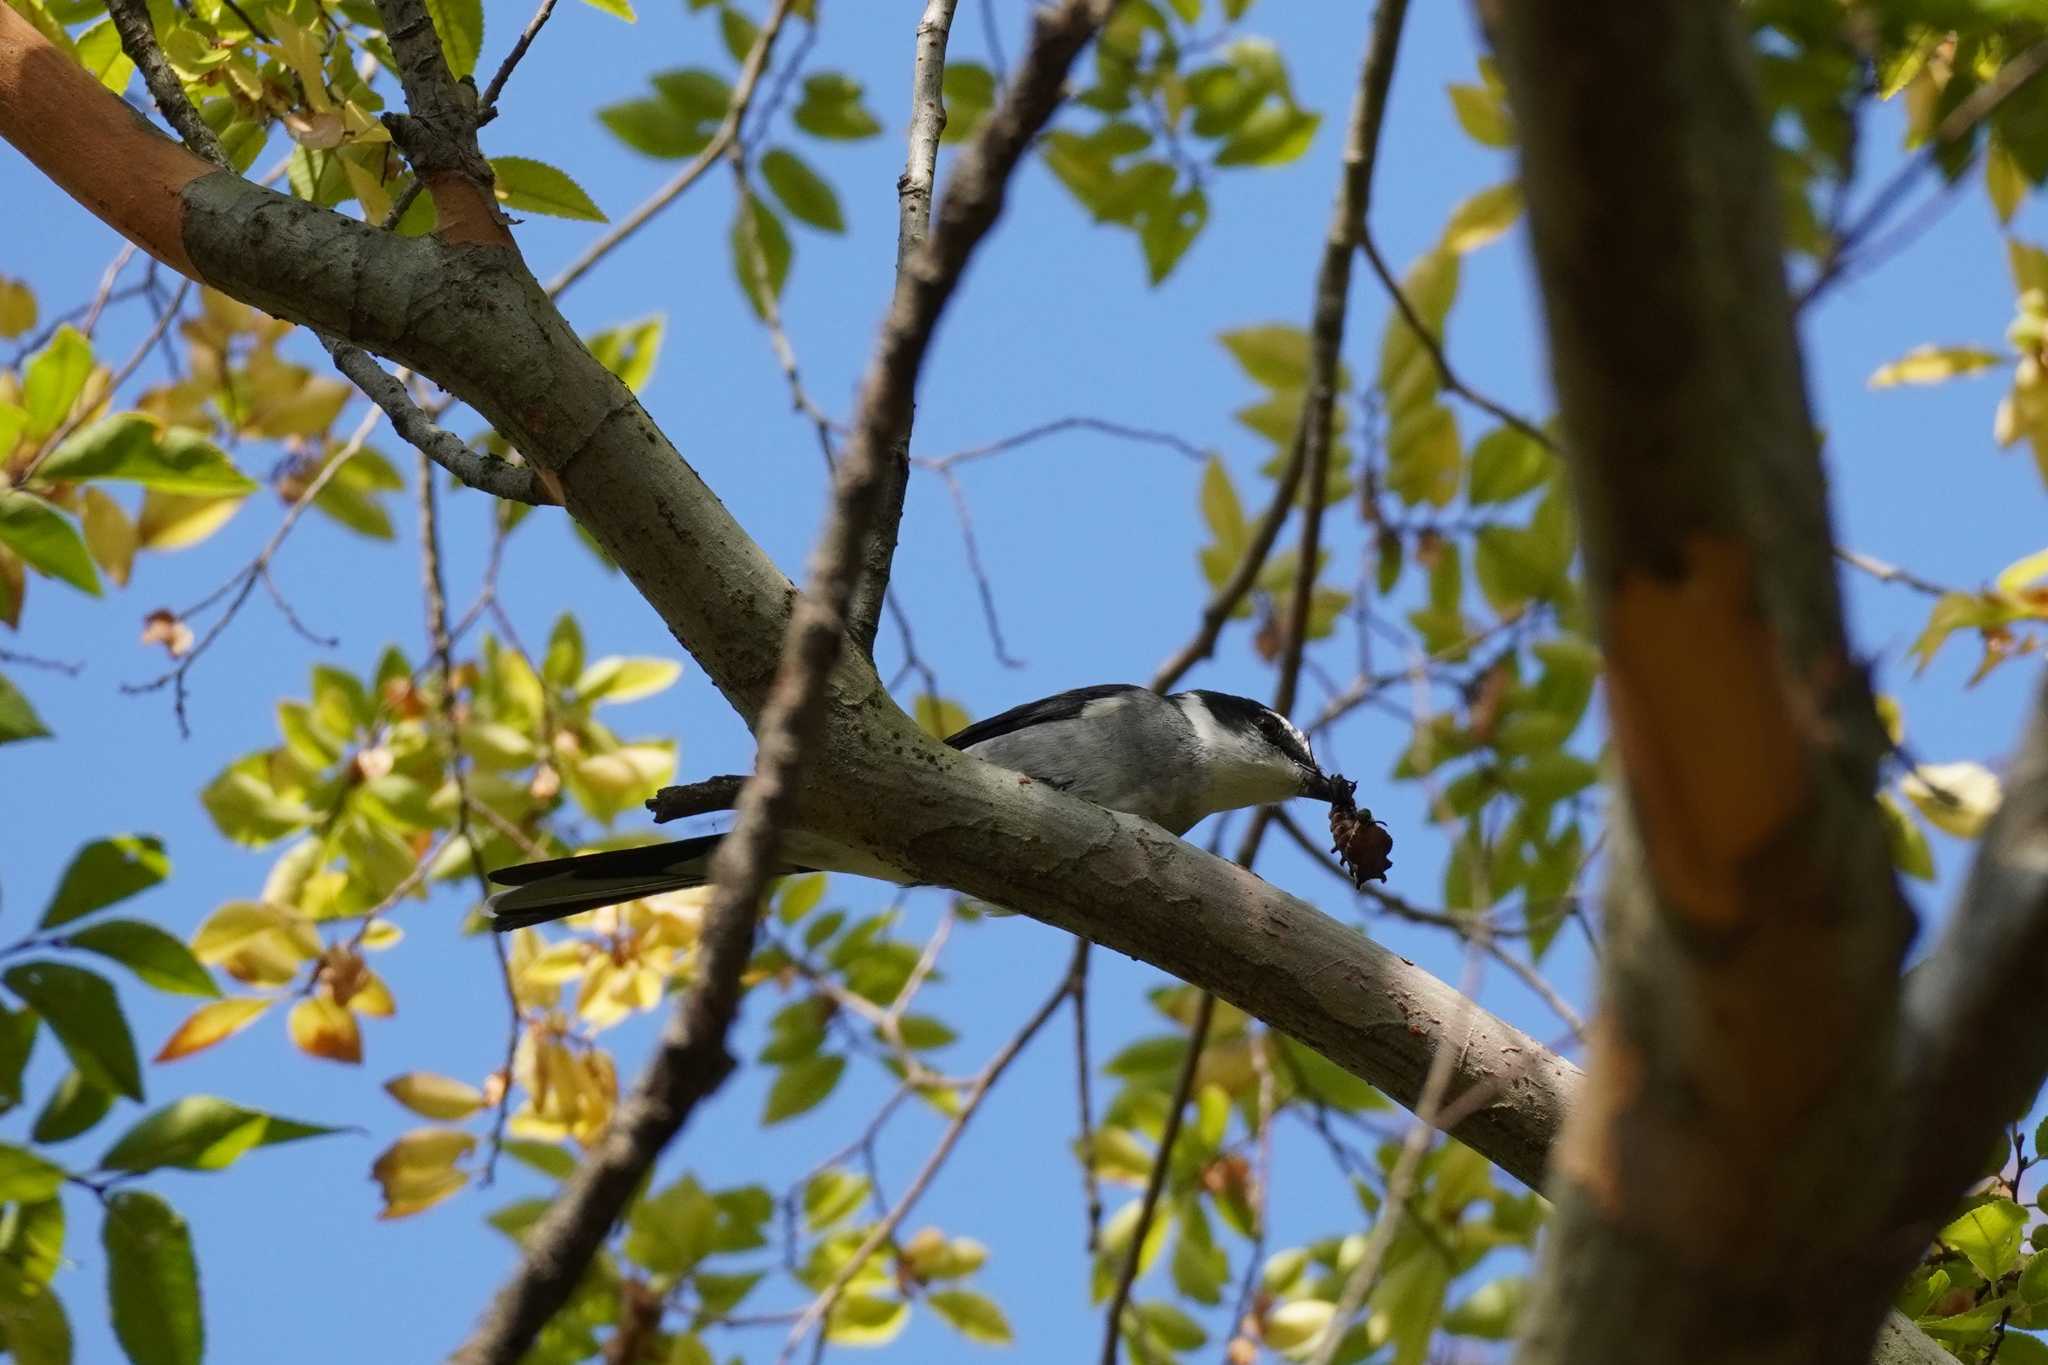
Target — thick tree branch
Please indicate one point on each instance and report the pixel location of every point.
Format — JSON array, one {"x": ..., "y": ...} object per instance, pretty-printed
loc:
[
  {"x": 913, "y": 213},
  {"x": 1715, "y": 1179}
]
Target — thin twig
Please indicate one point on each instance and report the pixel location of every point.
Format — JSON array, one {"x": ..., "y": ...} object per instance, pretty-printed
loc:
[
  {"x": 487, "y": 107},
  {"x": 485, "y": 472},
  {"x": 821, "y": 1307},
  {"x": 696, "y": 798},
  {"x": 1155, "y": 1181},
  {"x": 138, "y": 40},
  {"x": 1121, "y": 430},
  {"x": 1961, "y": 122},
  {"x": 721, "y": 141},
  {"x": 1091, "y": 1185},
  {"x": 913, "y": 223},
  {"x": 1890, "y": 573}
]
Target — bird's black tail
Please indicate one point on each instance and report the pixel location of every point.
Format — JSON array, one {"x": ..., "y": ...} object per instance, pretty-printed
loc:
[{"x": 540, "y": 892}]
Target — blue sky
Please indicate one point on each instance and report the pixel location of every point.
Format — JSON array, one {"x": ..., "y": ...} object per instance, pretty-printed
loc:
[{"x": 1091, "y": 546}]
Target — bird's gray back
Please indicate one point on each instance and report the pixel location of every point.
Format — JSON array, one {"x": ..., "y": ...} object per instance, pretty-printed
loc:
[{"x": 1120, "y": 750}]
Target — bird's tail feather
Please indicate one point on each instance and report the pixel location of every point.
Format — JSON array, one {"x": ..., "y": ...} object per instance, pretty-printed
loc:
[{"x": 550, "y": 890}]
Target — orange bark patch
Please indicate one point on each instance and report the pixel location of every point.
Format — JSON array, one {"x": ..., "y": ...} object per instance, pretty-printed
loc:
[
  {"x": 97, "y": 149},
  {"x": 463, "y": 214},
  {"x": 1707, "y": 731},
  {"x": 1589, "y": 1155}
]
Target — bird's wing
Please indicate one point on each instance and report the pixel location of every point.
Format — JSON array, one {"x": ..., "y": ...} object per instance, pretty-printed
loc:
[{"x": 1059, "y": 706}]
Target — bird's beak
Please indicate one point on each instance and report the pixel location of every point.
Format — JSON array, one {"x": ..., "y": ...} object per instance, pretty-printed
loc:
[{"x": 1318, "y": 786}]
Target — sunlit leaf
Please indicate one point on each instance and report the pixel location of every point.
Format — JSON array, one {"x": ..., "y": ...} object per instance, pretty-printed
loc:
[
  {"x": 1483, "y": 217},
  {"x": 17, "y": 307},
  {"x": 135, "y": 448},
  {"x": 418, "y": 1170},
  {"x": 866, "y": 1320},
  {"x": 535, "y": 187},
  {"x": 46, "y": 540},
  {"x": 53, "y": 378},
  {"x": 802, "y": 1085},
  {"x": 18, "y": 720},
  {"x": 202, "y": 1133},
  {"x": 1932, "y": 364},
  {"x": 162, "y": 960},
  {"x": 1960, "y": 798},
  {"x": 211, "y": 1023},
  {"x": 26, "y": 1177},
  {"x": 323, "y": 1028},
  {"x": 103, "y": 872},
  {"x": 617, "y": 679},
  {"x": 435, "y": 1097},
  {"x": 669, "y": 1232},
  {"x": 974, "y": 1316},
  {"x": 459, "y": 24}
]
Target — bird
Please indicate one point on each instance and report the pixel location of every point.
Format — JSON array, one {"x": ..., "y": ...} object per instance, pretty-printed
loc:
[{"x": 1171, "y": 759}]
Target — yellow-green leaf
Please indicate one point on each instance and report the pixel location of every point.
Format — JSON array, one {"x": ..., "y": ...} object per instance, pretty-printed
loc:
[
  {"x": 974, "y": 1316},
  {"x": 1957, "y": 797},
  {"x": 17, "y": 308},
  {"x": 808, "y": 196},
  {"x": 615, "y": 678},
  {"x": 1933, "y": 364},
  {"x": 1483, "y": 217},
  {"x": 435, "y": 1097},
  {"x": 211, "y": 1023},
  {"x": 536, "y": 187},
  {"x": 46, "y": 540},
  {"x": 460, "y": 26},
  {"x": 152, "y": 1281}
]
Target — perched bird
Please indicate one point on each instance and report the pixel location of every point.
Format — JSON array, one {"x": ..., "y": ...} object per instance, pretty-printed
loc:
[{"x": 1170, "y": 759}]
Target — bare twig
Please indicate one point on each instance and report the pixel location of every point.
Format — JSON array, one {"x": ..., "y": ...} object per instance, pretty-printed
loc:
[
  {"x": 138, "y": 40},
  {"x": 487, "y": 473},
  {"x": 721, "y": 142},
  {"x": 697, "y": 798},
  {"x": 488, "y": 106},
  {"x": 821, "y": 1307},
  {"x": 1091, "y": 1186},
  {"x": 238, "y": 587},
  {"x": 1890, "y": 573},
  {"x": 1962, "y": 121},
  {"x": 1155, "y": 1181},
  {"x": 1123, "y": 431},
  {"x": 913, "y": 222}
]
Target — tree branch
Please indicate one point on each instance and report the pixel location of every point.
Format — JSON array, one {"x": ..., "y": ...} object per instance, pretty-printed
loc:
[
  {"x": 438, "y": 134},
  {"x": 692, "y": 1060},
  {"x": 914, "y": 212},
  {"x": 1738, "y": 1112},
  {"x": 138, "y": 40},
  {"x": 1976, "y": 1039},
  {"x": 486, "y": 473}
]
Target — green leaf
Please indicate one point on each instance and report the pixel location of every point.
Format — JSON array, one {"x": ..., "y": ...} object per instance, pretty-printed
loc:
[
  {"x": 670, "y": 1232},
  {"x": 622, "y": 9},
  {"x": 1932, "y": 364},
  {"x": 1483, "y": 115},
  {"x": 26, "y": 1177},
  {"x": 832, "y": 108},
  {"x": 17, "y": 315},
  {"x": 972, "y": 1315},
  {"x": 106, "y": 871},
  {"x": 544, "y": 1157},
  {"x": 654, "y": 128},
  {"x": 799, "y": 896},
  {"x": 802, "y": 1085},
  {"x": 18, "y": 720},
  {"x": 831, "y": 1195},
  {"x": 17, "y": 1040},
  {"x": 152, "y": 1281},
  {"x": 1909, "y": 850},
  {"x": 33, "y": 1240},
  {"x": 202, "y": 1133},
  {"x": 37, "y": 1331},
  {"x": 629, "y": 351},
  {"x": 83, "y": 1011},
  {"x": 460, "y": 26},
  {"x": 738, "y": 31},
  {"x": 1505, "y": 464},
  {"x": 1424, "y": 458},
  {"x": 616, "y": 679},
  {"x": 162, "y": 960},
  {"x": 135, "y": 448},
  {"x": 1483, "y": 217},
  {"x": 969, "y": 90},
  {"x": 1490, "y": 1311},
  {"x": 46, "y": 540},
  {"x": 74, "y": 1106},
  {"x": 53, "y": 379},
  {"x": 1989, "y": 1236},
  {"x": 697, "y": 94},
  {"x": 1275, "y": 134},
  {"x": 536, "y": 187},
  {"x": 760, "y": 253},
  {"x": 866, "y": 1320},
  {"x": 805, "y": 193}
]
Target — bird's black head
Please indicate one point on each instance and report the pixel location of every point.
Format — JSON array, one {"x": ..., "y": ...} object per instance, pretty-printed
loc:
[{"x": 1266, "y": 741}]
